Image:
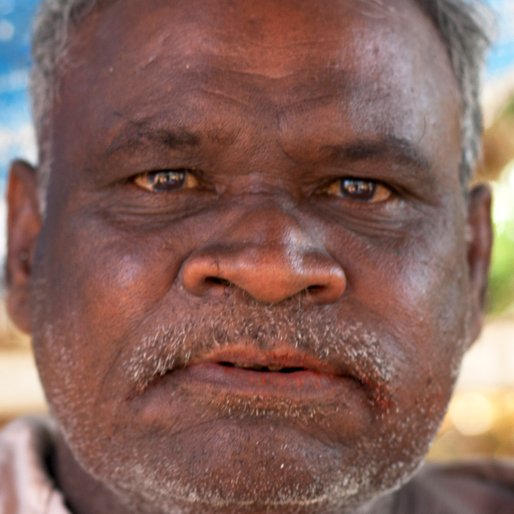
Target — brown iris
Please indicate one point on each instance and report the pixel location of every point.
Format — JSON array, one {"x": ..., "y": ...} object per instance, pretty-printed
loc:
[
  {"x": 166, "y": 180},
  {"x": 360, "y": 190}
]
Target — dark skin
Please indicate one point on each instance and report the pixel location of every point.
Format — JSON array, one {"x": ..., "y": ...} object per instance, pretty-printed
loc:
[{"x": 257, "y": 271}]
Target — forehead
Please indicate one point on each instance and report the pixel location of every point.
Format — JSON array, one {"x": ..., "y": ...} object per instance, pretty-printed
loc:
[{"x": 361, "y": 66}]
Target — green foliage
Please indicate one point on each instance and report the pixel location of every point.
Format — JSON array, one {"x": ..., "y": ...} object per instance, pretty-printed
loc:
[
  {"x": 501, "y": 279},
  {"x": 509, "y": 110}
]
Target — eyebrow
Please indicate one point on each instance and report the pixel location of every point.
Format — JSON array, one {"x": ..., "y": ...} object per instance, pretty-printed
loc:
[
  {"x": 136, "y": 133},
  {"x": 385, "y": 147}
]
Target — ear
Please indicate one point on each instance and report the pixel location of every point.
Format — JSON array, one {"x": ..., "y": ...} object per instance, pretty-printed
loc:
[
  {"x": 23, "y": 227},
  {"x": 479, "y": 242}
]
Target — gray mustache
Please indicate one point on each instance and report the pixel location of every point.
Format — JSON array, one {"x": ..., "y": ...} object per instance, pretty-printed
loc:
[{"x": 347, "y": 345}]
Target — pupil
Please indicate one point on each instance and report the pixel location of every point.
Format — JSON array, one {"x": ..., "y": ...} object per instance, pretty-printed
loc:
[
  {"x": 358, "y": 189},
  {"x": 166, "y": 180}
]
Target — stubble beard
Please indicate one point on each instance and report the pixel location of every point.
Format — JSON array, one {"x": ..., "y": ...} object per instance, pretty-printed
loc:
[{"x": 159, "y": 487}]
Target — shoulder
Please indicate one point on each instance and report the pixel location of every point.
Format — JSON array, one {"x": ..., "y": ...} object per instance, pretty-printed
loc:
[
  {"x": 479, "y": 487},
  {"x": 25, "y": 485}
]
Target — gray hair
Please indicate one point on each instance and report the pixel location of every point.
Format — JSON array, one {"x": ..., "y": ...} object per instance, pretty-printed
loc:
[{"x": 463, "y": 26}]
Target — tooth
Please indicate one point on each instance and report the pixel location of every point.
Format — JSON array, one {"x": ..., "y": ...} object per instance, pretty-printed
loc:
[
  {"x": 274, "y": 367},
  {"x": 254, "y": 367}
]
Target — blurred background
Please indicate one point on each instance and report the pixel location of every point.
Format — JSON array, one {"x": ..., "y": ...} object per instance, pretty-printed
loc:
[{"x": 480, "y": 419}]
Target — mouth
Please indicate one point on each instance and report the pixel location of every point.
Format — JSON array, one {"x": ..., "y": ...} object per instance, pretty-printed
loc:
[
  {"x": 238, "y": 382},
  {"x": 247, "y": 372},
  {"x": 270, "y": 368},
  {"x": 281, "y": 359}
]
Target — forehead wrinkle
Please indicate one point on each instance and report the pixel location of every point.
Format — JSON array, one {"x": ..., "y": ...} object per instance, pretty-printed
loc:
[
  {"x": 295, "y": 90},
  {"x": 376, "y": 9},
  {"x": 225, "y": 97},
  {"x": 220, "y": 75}
]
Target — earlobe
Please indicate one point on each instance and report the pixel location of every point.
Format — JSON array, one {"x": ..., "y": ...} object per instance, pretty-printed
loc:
[
  {"x": 479, "y": 244},
  {"x": 23, "y": 227}
]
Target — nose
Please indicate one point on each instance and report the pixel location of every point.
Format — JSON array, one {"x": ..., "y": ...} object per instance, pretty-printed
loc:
[{"x": 268, "y": 256}]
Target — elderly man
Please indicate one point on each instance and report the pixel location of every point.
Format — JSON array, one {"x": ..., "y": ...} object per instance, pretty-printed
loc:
[{"x": 249, "y": 259}]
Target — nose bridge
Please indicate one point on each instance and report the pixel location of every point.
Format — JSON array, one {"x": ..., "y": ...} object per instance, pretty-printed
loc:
[
  {"x": 268, "y": 254},
  {"x": 270, "y": 225}
]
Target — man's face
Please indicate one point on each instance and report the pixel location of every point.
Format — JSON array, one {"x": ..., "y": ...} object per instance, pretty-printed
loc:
[{"x": 252, "y": 285}]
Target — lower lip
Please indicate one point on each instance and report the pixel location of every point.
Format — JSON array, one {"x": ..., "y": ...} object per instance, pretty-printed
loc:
[
  {"x": 303, "y": 385},
  {"x": 207, "y": 393}
]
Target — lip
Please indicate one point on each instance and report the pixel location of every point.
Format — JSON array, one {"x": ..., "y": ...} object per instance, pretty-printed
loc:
[
  {"x": 316, "y": 393},
  {"x": 304, "y": 385},
  {"x": 294, "y": 375},
  {"x": 285, "y": 357}
]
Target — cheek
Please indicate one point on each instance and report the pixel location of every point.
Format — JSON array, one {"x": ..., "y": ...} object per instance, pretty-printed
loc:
[
  {"x": 417, "y": 291},
  {"x": 435, "y": 293},
  {"x": 94, "y": 299},
  {"x": 416, "y": 288}
]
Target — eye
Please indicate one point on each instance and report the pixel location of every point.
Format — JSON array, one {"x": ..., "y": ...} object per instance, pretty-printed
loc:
[
  {"x": 366, "y": 191},
  {"x": 166, "y": 180}
]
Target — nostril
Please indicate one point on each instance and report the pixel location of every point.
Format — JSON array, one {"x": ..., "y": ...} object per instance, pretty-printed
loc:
[
  {"x": 265, "y": 273},
  {"x": 217, "y": 281}
]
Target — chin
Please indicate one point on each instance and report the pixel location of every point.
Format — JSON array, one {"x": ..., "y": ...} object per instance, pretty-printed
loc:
[{"x": 247, "y": 466}]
